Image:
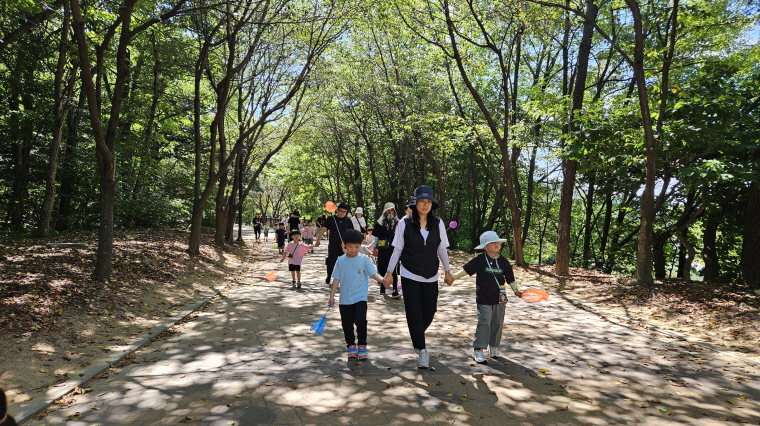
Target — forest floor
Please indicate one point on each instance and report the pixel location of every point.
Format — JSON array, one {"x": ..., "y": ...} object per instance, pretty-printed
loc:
[{"x": 55, "y": 321}]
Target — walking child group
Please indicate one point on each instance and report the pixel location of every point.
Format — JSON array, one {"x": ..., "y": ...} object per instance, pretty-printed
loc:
[{"x": 412, "y": 249}]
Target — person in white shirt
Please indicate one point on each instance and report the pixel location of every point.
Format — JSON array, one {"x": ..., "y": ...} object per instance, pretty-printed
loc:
[
  {"x": 419, "y": 266},
  {"x": 358, "y": 221}
]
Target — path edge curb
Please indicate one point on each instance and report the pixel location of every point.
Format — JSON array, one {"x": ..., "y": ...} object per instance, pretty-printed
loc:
[{"x": 30, "y": 411}]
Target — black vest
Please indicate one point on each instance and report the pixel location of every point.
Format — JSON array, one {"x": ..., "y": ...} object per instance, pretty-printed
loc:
[{"x": 420, "y": 257}]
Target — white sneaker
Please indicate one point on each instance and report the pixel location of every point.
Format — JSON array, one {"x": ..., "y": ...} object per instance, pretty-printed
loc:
[
  {"x": 424, "y": 360},
  {"x": 494, "y": 352},
  {"x": 480, "y": 358}
]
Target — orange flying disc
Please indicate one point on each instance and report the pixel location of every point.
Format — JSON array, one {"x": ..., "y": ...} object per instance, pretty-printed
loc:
[
  {"x": 270, "y": 276},
  {"x": 534, "y": 295}
]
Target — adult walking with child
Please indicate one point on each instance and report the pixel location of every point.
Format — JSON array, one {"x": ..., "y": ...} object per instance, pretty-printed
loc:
[{"x": 420, "y": 241}]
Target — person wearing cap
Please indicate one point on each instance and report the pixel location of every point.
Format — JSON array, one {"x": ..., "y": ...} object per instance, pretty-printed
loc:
[
  {"x": 420, "y": 241},
  {"x": 384, "y": 233},
  {"x": 493, "y": 271},
  {"x": 358, "y": 221},
  {"x": 337, "y": 224}
]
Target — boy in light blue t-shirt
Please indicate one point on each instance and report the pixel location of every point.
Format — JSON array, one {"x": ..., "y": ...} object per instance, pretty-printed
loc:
[{"x": 352, "y": 272}]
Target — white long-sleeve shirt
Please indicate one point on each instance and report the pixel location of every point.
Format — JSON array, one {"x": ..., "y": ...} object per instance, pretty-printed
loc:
[{"x": 398, "y": 247}]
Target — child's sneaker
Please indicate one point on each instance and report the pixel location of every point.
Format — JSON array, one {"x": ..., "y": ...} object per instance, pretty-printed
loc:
[
  {"x": 352, "y": 351},
  {"x": 298, "y": 284},
  {"x": 395, "y": 295},
  {"x": 293, "y": 284},
  {"x": 494, "y": 352},
  {"x": 363, "y": 352}
]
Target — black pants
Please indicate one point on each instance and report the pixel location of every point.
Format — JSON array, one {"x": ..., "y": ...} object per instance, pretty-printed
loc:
[
  {"x": 420, "y": 304},
  {"x": 257, "y": 231},
  {"x": 351, "y": 315},
  {"x": 330, "y": 263},
  {"x": 383, "y": 258}
]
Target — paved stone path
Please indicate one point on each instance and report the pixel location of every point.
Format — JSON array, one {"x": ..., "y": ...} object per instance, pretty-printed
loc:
[{"x": 249, "y": 359}]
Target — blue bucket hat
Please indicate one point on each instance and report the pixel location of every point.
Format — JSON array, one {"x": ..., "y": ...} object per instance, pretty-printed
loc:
[{"x": 424, "y": 192}]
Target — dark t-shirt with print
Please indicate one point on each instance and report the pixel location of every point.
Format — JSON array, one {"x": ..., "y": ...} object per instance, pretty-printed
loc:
[{"x": 491, "y": 274}]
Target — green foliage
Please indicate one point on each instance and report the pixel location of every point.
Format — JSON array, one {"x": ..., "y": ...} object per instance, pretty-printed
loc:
[{"x": 388, "y": 110}]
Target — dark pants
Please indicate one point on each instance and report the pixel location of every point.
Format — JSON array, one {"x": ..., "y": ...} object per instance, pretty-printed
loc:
[
  {"x": 383, "y": 258},
  {"x": 257, "y": 231},
  {"x": 351, "y": 315},
  {"x": 330, "y": 263},
  {"x": 420, "y": 304}
]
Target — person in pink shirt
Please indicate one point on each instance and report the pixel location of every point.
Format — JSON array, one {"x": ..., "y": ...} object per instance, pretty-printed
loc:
[
  {"x": 308, "y": 233},
  {"x": 295, "y": 251}
]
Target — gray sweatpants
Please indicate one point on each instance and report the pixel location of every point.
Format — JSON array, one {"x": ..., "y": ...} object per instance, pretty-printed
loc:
[{"x": 490, "y": 324}]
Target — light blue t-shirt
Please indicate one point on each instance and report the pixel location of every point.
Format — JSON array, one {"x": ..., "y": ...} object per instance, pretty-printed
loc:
[{"x": 353, "y": 274}]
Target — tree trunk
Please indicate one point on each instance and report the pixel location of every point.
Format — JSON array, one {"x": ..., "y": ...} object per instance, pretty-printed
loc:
[
  {"x": 690, "y": 253},
  {"x": 658, "y": 254},
  {"x": 588, "y": 222},
  {"x": 605, "y": 227},
  {"x": 710, "y": 245},
  {"x": 68, "y": 184},
  {"x": 530, "y": 188},
  {"x": 43, "y": 226},
  {"x": 104, "y": 143},
  {"x": 750, "y": 259},
  {"x": 570, "y": 166},
  {"x": 646, "y": 214}
]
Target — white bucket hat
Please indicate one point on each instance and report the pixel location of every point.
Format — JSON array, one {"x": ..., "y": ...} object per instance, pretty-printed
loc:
[
  {"x": 489, "y": 237},
  {"x": 359, "y": 210}
]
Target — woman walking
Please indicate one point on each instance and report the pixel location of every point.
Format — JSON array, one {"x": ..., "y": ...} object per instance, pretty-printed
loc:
[{"x": 419, "y": 243}]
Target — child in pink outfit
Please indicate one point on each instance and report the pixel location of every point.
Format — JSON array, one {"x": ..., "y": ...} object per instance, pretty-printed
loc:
[
  {"x": 295, "y": 250},
  {"x": 308, "y": 233}
]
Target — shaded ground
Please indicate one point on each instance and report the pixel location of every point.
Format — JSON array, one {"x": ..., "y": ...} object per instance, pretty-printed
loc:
[
  {"x": 723, "y": 314},
  {"x": 249, "y": 356},
  {"x": 55, "y": 320}
]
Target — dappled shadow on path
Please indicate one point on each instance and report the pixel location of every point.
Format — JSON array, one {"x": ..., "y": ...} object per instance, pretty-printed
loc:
[{"x": 249, "y": 358}]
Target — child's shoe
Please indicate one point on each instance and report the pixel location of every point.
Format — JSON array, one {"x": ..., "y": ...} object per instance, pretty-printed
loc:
[
  {"x": 352, "y": 351},
  {"x": 363, "y": 352},
  {"x": 395, "y": 295},
  {"x": 298, "y": 284},
  {"x": 293, "y": 284}
]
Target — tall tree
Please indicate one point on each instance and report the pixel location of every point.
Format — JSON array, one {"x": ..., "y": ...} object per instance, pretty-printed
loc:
[
  {"x": 105, "y": 138},
  {"x": 570, "y": 165}
]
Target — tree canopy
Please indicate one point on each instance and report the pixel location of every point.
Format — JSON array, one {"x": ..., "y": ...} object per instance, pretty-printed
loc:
[{"x": 622, "y": 136}]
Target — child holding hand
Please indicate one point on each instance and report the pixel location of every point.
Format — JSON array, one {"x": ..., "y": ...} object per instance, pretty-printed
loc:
[
  {"x": 352, "y": 272},
  {"x": 493, "y": 271}
]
